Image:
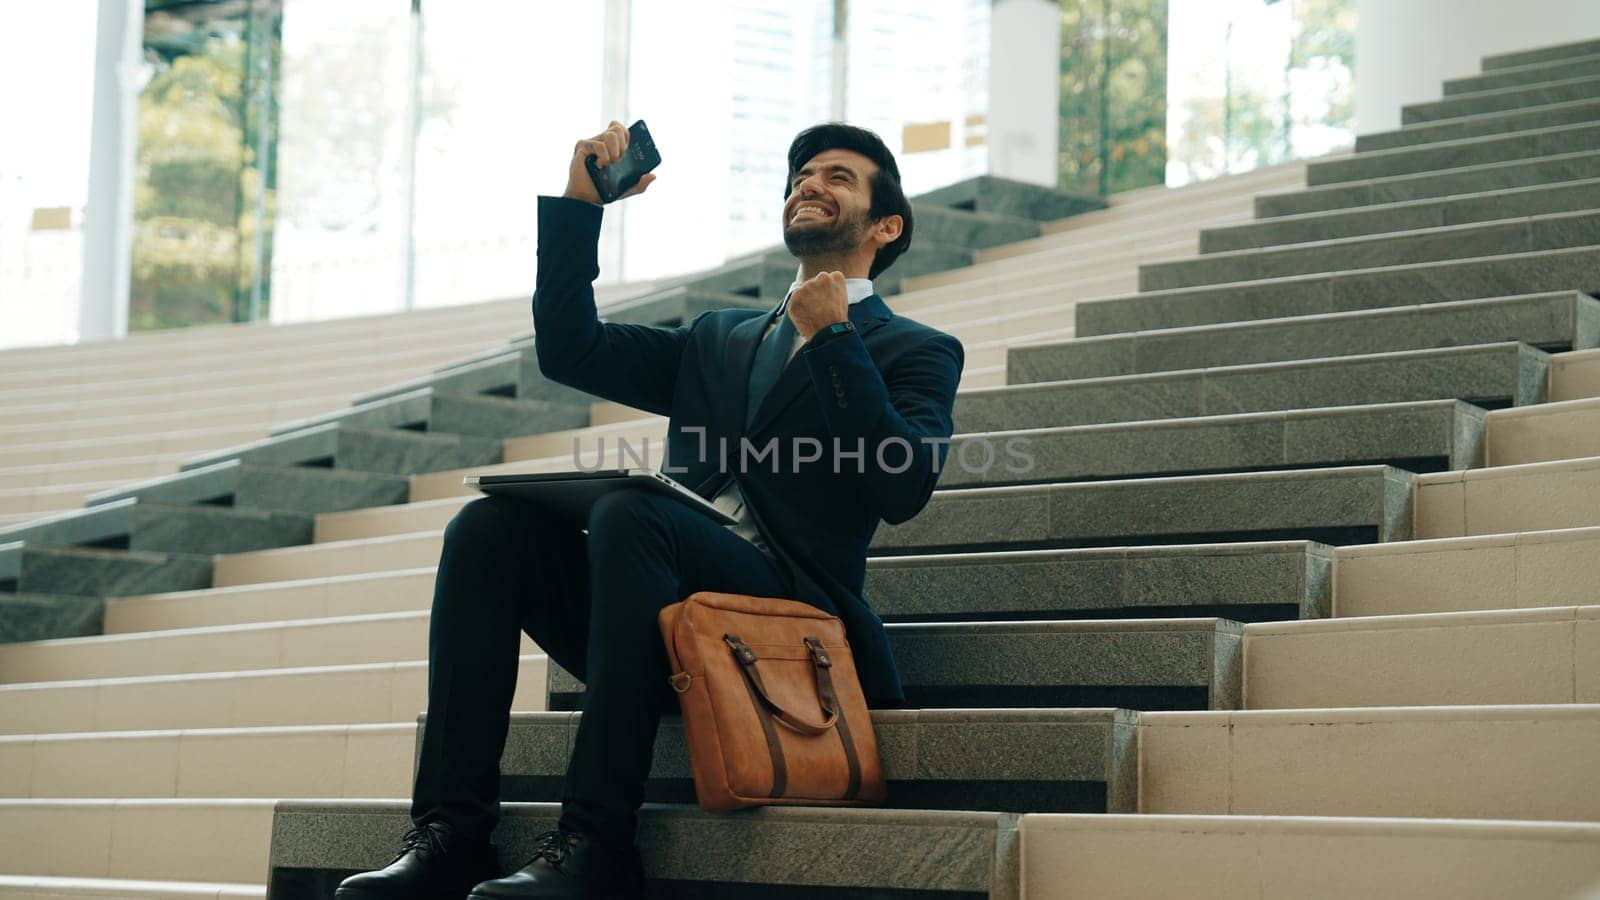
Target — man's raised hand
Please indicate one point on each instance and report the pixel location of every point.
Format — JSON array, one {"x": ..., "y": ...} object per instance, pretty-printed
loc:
[
  {"x": 607, "y": 147},
  {"x": 818, "y": 302}
]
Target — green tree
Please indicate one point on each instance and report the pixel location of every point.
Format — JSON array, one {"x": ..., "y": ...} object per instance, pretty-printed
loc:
[{"x": 1113, "y": 94}]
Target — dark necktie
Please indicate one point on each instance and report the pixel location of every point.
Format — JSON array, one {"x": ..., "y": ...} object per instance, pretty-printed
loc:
[{"x": 771, "y": 357}]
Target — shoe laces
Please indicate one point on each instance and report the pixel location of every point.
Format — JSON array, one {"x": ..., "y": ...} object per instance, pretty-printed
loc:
[
  {"x": 424, "y": 838},
  {"x": 553, "y": 846}
]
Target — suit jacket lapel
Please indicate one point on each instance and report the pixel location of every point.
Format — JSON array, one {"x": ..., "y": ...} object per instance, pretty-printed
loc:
[{"x": 866, "y": 315}]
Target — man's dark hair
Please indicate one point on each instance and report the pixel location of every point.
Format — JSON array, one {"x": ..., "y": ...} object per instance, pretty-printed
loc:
[{"x": 888, "y": 198}]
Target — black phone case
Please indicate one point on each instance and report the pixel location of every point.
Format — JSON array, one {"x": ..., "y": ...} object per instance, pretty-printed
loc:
[{"x": 616, "y": 179}]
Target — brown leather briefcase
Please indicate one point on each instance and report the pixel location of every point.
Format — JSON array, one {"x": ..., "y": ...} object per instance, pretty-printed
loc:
[{"x": 772, "y": 709}]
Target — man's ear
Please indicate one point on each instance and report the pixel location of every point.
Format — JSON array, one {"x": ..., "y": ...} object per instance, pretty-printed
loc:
[{"x": 888, "y": 230}]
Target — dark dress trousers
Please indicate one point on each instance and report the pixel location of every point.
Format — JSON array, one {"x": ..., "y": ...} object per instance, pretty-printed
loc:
[{"x": 871, "y": 409}]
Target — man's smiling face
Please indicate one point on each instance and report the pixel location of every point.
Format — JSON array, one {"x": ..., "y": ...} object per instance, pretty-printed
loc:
[{"x": 828, "y": 204}]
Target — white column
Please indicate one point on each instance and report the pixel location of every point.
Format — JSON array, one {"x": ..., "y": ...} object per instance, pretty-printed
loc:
[
  {"x": 113, "y": 141},
  {"x": 1024, "y": 86},
  {"x": 1405, "y": 49}
]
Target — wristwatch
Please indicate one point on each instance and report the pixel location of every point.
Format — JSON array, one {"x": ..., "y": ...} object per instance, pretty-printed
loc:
[{"x": 824, "y": 335}]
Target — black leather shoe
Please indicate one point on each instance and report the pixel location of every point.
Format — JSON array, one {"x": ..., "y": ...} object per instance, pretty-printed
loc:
[
  {"x": 434, "y": 864},
  {"x": 570, "y": 866}
]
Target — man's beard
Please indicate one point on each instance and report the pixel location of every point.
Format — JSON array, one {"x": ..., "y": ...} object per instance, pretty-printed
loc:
[{"x": 844, "y": 235}]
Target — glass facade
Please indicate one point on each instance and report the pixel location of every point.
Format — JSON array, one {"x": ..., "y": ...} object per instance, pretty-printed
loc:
[{"x": 309, "y": 159}]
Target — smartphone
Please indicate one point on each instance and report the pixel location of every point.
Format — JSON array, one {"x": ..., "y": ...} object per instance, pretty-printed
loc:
[{"x": 639, "y": 157}]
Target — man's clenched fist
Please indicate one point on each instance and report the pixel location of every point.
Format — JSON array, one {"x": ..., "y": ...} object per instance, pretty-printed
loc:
[
  {"x": 818, "y": 302},
  {"x": 607, "y": 147}
]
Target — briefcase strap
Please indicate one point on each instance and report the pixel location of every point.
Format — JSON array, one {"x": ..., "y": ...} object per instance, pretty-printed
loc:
[{"x": 767, "y": 710}]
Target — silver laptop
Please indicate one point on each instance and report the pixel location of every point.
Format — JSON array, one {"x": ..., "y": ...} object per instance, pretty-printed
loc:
[{"x": 570, "y": 494}]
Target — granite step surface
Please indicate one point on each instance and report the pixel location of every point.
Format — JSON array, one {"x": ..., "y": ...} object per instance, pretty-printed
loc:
[
  {"x": 1569, "y": 196},
  {"x": 1004, "y": 196},
  {"x": 134, "y": 524},
  {"x": 30, "y": 887},
  {"x": 1022, "y": 760},
  {"x": 37, "y": 617},
  {"x": 768, "y": 854},
  {"x": 1527, "y": 74},
  {"x": 1486, "y": 375},
  {"x": 1244, "y": 581},
  {"x": 1353, "y": 505},
  {"x": 94, "y": 573},
  {"x": 1550, "y": 115},
  {"x": 1513, "y": 274},
  {"x": 1550, "y": 53},
  {"x": 244, "y": 485},
  {"x": 1426, "y": 436},
  {"x": 1552, "y": 231},
  {"x": 430, "y": 410},
  {"x": 1469, "y": 151},
  {"x": 1519, "y": 656},
  {"x": 1430, "y": 185},
  {"x": 1074, "y": 856},
  {"x": 1554, "y": 322},
  {"x": 339, "y": 445},
  {"x": 1128, "y": 663},
  {"x": 1581, "y": 88}
]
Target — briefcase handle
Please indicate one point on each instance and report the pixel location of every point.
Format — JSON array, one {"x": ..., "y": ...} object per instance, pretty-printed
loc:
[{"x": 820, "y": 663}]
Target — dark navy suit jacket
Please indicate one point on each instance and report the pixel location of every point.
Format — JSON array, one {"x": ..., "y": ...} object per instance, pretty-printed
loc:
[{"x": 890, "y": 383}]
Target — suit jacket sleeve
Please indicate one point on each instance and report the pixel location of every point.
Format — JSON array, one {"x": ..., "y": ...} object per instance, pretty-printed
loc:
[
  {"x": 636, "y": 365},
  {"x": 912, "y": 401}
]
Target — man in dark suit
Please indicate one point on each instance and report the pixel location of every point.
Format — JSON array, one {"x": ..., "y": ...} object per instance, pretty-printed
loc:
[{"x": 845, "y": 410}]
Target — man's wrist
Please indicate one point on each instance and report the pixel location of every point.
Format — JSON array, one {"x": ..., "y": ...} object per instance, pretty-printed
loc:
[{"x": 828, "y": 333}]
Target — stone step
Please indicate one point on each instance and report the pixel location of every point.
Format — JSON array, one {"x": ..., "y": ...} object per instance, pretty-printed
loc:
[
  {"x": 1359, "y": 504},
  {"x": 1528, "y": 74},
  {"x": 347, "y": 640},
  {"x": 1488, "y": 375},
  {"x": 94, "y": 573},
  {"x": 1450, "y": 762},
  {"x": 1526, "y": 570},
  {"x": 1549, "y": 655},
  {"x": 1529, "y": 497},
  {"x": 309, "y": 695},
  {"x": 1427, "y": 436},
  {"x": 285, "y": 761},
  {"x": 1077, "y": 857},
  {"x": 394, "y": 451},
  {"x": 193, "y": 840},
  {"x": 430, "y": 410},
  {"x": 1575, "y": 375},
  {"x": 134, "y": 524},
  {"x": 1025, "y": 760},
  {"x": 1129, "y": 663},
  {"x": 1410, "y": 215},
  {"x": 1006, "y": 197},
  {"x": 1468, "y": 151},
  {"x": 30, "y": 887},
  {"x": 1470, "y": 279},
  {"x": 773, "y": 853},
  {"x": 1553, "y": 231},
  {"x": 1550, "y": 115},
  {"x": 1244, "y": 581},
  {"x": 341, "y": 595},
  {"x": 1430, "y": 185},
  {"x": 1478, "y": 102},
  {"x": 1553, "y": 322},
  {"x": 1543, "y": 433},
  {"x": 178, "y": 442},
  {"x": 383, "y": 553},
  {"x": 245, "y": 485},
  {"x": 34, "y": 617},
  {"x": 1537, "y": 55}
]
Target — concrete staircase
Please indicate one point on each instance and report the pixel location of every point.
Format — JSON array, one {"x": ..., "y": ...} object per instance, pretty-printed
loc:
[{"x": 1298, "y": 596}]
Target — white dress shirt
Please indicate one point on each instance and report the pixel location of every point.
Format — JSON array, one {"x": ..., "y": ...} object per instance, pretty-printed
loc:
[{"x": 730, "y": 499}]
